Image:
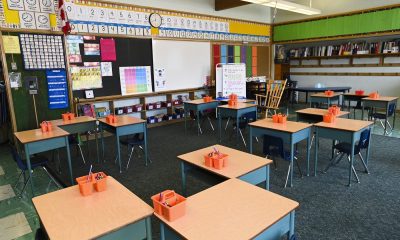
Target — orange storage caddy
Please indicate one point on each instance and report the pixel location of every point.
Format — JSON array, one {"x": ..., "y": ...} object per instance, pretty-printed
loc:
[
  {"x": 216, "y": 160},
  {"x": 328, "y": 93},
  {"x": 359, "y": 92},
  {"x": 232, "y": 102},
  {"x": 275, "y": 118},
  {"x": 329, "y": 118},
  {"x": 111, "y": 119},
  {"x": 374, "y": 95},
  {"x": 335, "y": 110},
  {"x": 169, "y": 205},
  {"x": 85, "y": 184},
  {"x": 282, "y": 118},
  {"x": 207, "y": 99},
  {"x": 100, "y": 181},
  {"x": 46, "y": 126},
  {"x": 67, "y": 116}
]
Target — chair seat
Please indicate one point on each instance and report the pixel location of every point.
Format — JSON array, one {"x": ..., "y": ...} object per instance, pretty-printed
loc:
[
  {"x": 346, "y": 148},
  {"x": 379, "y": 115}
]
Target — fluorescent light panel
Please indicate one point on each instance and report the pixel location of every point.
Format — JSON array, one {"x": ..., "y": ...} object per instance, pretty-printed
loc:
[{"x": 286, "y": 5}]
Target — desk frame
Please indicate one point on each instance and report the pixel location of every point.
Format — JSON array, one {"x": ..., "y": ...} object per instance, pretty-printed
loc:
[
  {"x": 342, "y": 136},
  {"x": 288, "y": 138},
  {"x": 327, "y": 100},
  {"x": 233, "y": 113},
  {"x": 380, "y": 104},
  {"x": 123, "y": 131},
  {"x": 197, "y": 108}
]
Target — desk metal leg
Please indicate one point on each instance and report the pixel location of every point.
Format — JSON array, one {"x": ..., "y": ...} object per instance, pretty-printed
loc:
[
  {"x": 316, "y": 151},
  {"x": 69, "y": 161},
  {"x": 28, "y": 163},
  {"x": 183, "y": 174},
  {"x": 351, "y": 159},
  {"x": 394, "y": 115},
  {"x": 267, "y": 178},
  {"x": 291, "y": 162},
  {"x": 198, "y": 122},
  {"x": 102, "y": 141},
  {"x": 308, "y": 153},
  {"x": 162, "y": 231},
  {"x": 251, "y": 140},
  {"x": 362, "y": 112},
  {"x": 185, "y": 116},
  {"x": 291, "y": 228},
  {"x": 97, "y": 143},
  {"x": 220, "y": 124},
  {"x": 118, "y": 150},
  {"x": 145, "y": 143},
  {"x": 237, "y": 128},
  {"x": 368, "y": 148},
  {"x": 148, "y": 228}
]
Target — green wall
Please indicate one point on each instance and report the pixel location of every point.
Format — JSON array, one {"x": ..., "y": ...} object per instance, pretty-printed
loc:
[
  {"x": 383, "y": 20},
  {"x": 23, "y": 102}
]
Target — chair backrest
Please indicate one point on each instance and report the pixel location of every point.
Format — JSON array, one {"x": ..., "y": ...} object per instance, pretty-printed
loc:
[
  {"x": 391, "y": 109},
  {"x": 273, "y": 146},
  {"x": 364, "y": 140},
  {"x": 17, "y": 158},
  {"x": 275, "y": 92}
]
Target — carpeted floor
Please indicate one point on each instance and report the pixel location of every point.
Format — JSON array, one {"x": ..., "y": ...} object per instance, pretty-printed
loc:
[{"x": 328, "y": 208}]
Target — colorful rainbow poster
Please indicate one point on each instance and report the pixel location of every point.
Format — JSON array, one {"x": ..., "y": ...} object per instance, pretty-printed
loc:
[{"x": 135, "y": 80}]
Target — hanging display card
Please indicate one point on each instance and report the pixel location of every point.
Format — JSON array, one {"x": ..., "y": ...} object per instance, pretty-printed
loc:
[
  {"x": 135, "y": 80},
  {"x": 57, "y": 88},
  {"x": 42, "y": 51},
  {"x": 107, "y": 47}
]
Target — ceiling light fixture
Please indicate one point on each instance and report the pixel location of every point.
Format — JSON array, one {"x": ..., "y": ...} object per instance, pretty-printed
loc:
[{"x": 288, "y": 6}]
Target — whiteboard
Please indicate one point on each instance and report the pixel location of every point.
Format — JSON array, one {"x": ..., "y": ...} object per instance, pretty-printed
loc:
[{"x": 180, "y": 64}]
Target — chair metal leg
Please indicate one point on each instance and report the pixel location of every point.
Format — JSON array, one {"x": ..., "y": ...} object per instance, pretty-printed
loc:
[
  {"x": 298, "y": 167},
  {"x": 130, "y": 156},
  {"x": 201, "y": 132},
  {"x": 340, "y": 159},
  {"x": 19, "y": 177},
  {"x": 83, "y": 157},
  {"x": 257, "y": 139},
  {"x": 363, "y": 162},
  {"x": 145, "y": 153},
  {"x": 212, "y": 126},
  {"x": 227, "y": 122},
  {"x": 332, "y": 162},
  {"x": 354, "y": 171},
  {"x": 241, "y": 134},
  {"x": 287, "y": 176},
  {"x": 51, "y": 177},
  {"x": 23, "y": 188}
]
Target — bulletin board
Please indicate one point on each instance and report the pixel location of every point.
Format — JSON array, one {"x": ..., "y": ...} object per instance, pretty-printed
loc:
[
  {"x": 181, "y": 64},
  {"x": 129, "y": 52}
]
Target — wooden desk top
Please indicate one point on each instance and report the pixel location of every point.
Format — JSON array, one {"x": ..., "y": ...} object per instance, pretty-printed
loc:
[
  {"x": 382, "y": 99},
  {"x": 289, "y": 126},
  {"x": 240, "y": 105},
  {"x": 345, "y": 124},
  {"x": 66, "y": 214},
  {"x": 200, "y": 101},
  {"x": 319, "y": 112},
  {"x": 231, "y": 210},
  {"x": 37, "y": 135},
  {"x": 77, "y": 120},
  {"x": 123, "y": 120},
  {"x": 323, "y": 95},
  {"x": 355, "y": 95},
  {"x": 239, "y": 163}
]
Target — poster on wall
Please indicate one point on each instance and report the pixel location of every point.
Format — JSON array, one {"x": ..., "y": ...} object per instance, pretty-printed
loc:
[
  {"x": 106, "y": 69},
  {"x": 86, "y": 78},
  {"x": 57, "y": 88},
  {"x": 135, "y": 80},
  {"x": 160, "y": 79}
]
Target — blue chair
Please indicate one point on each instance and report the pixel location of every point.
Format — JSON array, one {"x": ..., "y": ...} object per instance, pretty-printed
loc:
[
  {"x": 36, "y": 162},
  {"x": 345, "y": 148},
  {"x": 382, "y": 117},
  {"x": 135, "y": 140},
  {"x": 244, "y": 121},
  {"x": 273, "y": 146}
]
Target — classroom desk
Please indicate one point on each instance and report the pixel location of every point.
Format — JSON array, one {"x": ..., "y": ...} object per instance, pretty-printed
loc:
[
  {"x": 125, "y": 125},
  {"x": 352, "y": 97},
  {"x": 234, "y": 112},
  {"x": 247, "y": 167},
  {"x": 240, "y": 100},
  {"x": 197, "y": 106},
  {"x": 315, "y": 89},
  {"x": 314, "y": 115},
  {"x": 116, "y": 213},
  {"x": 343, "y": 130},
  {"x": 290, "y": 132},
  {"x": 35, "y": 141},
  {"x": 322, "y": 98},
  {"x": 79, "y": 125},
  {"x": 233, "y": 210},
  {"x": 381, "y": 102}
]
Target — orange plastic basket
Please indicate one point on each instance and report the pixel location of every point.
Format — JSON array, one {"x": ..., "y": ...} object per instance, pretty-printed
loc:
[{"x": 169, "y": 204}]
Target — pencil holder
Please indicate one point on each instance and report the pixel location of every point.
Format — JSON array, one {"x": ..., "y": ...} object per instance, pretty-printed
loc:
[
  {"x": 282, "y": 118},
  {"x": 43, "y": 126},
  {"x": 328, "y": 93},
  {"x": 208, "y": 161},
  {"x": 329, "y": 118},
  {"x": 85, "y": 184},
  {"x": 233, "y": 96},
  {"x": 169, "y": 205},
  {"x": 334, "y": 110},
  {"x": 71, "y": 116},
  {"x": 374, "y": 95},
  {"x": 49, "y": 126},
  {"x": 111, "y": 119},
  {"x": 220, "y": 161},
  {"x": 232, "y": 102},
  {"x": 359, "y": 92},
  {"x": 275, "y": 118},
  {"x": 65, "y": 116},
  {"x": 100, "y": 181}
]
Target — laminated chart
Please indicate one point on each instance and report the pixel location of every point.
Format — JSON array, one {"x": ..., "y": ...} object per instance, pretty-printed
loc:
[
  {"x": 135, "y": 80},
  {"x": 86, "y": 78}
]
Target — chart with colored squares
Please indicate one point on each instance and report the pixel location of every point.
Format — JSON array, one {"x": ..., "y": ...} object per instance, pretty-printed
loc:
[{"x": 135, "y": 80}]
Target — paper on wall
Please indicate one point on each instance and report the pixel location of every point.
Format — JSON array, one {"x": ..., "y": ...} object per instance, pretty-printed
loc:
[{"x": 106, "y": 69}]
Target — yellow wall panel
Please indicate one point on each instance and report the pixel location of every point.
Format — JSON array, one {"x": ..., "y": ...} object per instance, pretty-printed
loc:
[{"x": 249, "y": 28}]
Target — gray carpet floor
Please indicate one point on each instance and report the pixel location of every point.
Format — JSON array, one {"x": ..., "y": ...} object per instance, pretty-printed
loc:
[{"x": 328, "y": 208}]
